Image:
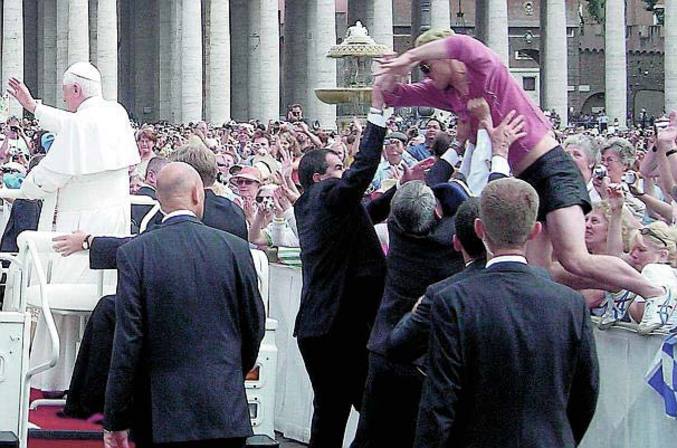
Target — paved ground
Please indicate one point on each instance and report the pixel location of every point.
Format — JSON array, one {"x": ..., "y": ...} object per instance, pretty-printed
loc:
[{"x": 286, "y": 443}]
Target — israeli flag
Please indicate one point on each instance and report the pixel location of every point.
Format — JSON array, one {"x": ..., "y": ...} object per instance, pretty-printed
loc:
[{"x": 662, "y": 375}]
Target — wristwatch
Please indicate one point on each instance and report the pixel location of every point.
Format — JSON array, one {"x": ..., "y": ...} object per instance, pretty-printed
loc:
[{"x": 85, "y": 243}]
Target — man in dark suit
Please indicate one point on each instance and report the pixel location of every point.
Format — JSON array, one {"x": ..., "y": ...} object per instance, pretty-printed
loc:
[
  {"x": 420, "y": 253},
  {"x": 86, "y": 391},
  {"x": 148, "y": 189},
  {"x": 512, "y": 358},
  {"x": 343, "y": 273},
  {"x": 184, "y": 338}
]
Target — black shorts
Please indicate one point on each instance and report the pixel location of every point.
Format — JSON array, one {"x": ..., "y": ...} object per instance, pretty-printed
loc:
[{"x": 558, "y": 182}]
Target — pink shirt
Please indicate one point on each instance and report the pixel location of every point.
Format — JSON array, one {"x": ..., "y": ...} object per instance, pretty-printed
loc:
[{"x": 488, "y": 78}]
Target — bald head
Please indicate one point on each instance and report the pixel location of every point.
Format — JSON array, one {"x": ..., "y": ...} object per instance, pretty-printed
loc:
[{"x": 179, "y": 187}]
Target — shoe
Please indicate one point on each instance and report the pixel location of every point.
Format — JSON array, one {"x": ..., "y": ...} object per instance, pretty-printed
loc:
[
  {"x": 657, "y": 312},
  {"x": 617, "y": 305}
]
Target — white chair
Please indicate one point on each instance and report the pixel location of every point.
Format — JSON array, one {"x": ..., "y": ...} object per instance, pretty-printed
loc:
[{"x": 37, "y": 290}]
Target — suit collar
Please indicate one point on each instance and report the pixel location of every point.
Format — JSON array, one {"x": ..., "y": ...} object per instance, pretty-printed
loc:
[
  {"x": 176, "y": 219},
  {"x": 509, "y": 266}
]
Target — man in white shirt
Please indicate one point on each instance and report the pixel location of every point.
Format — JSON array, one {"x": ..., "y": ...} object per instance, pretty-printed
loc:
[{"x": 84, "y": 184}]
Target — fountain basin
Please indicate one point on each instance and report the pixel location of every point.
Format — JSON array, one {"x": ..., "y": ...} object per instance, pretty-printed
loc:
[{"x": 344, "y": 95}]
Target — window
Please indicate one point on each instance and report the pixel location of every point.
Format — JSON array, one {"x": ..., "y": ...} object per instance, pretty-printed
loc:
[{"x": 529, "y": 83}]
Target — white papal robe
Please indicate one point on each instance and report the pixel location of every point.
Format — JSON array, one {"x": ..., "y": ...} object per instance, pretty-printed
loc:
[{"x": 84, "y": 184}]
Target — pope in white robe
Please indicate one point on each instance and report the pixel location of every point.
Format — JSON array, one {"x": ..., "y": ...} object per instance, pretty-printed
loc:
[{"x": 84, "y": 184}]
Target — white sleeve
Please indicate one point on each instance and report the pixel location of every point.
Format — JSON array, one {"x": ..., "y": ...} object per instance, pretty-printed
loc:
[
  {"x": 466, "y": 163},
  {"x": 41, "y": 181},
  {"x": 51, "y": 118},
  {"x": 281, "y": 234},
  {"x": 479, "y": 166}
]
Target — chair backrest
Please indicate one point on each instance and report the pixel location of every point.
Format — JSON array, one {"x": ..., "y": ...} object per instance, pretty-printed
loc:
[
  {"x": 135, "y": 199},
  {"x": 261, "y": 265}
]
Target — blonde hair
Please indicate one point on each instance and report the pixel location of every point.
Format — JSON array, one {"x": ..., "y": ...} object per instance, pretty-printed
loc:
[
  {"x": 627, "y": 229},
  {"x": 432, "y": 35},
  {"x": 661, "y": 236},
  {"x": 197, "y": 155},
  {"x": 508, "y": 210}
]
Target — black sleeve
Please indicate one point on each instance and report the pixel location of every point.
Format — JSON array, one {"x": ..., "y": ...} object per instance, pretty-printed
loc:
[
  {"x": 495, "y": 176},
  {"x": 127, "y": 346},
  {"x": 585, "y": 385},
  {"x": 439, "y": 173},
  {"x": 252, "y": 315},
  {"x": 351, "y": 188},
  {"x": 408, "y": 341},
  {"x": 379, "y": 208},
  {"x": 102, "y": 254},
  {"x": 444, "y": 384}
]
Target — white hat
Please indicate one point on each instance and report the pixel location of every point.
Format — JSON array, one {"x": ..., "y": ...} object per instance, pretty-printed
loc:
[{"x": 84, "y": 70}]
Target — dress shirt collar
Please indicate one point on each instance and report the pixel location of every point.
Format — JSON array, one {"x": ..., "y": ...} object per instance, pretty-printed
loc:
[
  {"x": 506, "y": 259},
  {"x": 178, "y": 213}
]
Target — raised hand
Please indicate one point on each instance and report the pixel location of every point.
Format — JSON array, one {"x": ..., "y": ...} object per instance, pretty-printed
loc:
[
  {"x": 399, "y": 66},
  {"x": 479, "y": 108},
  {"x": 417, "y": 172},
  {"x": 20, "y": 92},
  {"x": 506, "y": 133}
]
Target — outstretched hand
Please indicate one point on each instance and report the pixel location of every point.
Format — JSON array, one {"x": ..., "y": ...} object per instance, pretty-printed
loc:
[
  {"x": 506, "y": 133},
  {"x": 399, "y": 66},
  {"x": 20, "y": 92},
  {"x": 416, "y": 172}
]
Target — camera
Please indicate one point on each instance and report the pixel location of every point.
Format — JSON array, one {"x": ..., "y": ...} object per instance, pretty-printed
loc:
[
  {"x": 629, "y": 177},
  {"x": 600, "y": 172}
]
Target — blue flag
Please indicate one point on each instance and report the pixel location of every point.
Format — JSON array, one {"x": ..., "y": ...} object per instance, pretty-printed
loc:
[{"x": 662, "y": 375}]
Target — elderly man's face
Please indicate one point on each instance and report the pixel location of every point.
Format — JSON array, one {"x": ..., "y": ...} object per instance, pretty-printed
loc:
[
  {"x": 246, "y": 188},
  {"x": 393, "y": 152},
  {"x": 581, "y": 160}
]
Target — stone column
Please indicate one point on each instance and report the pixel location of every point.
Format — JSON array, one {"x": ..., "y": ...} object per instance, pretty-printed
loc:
[
  {"x": 49, "y": 70},
  {"x": 296, "y": 54},
  {"x": 78, "y": 31},
  {"x": 191, "y": 61},
  {"x": 12, "y": 47},
  {"x": 218, "y": 106},
  {"x": 616, "y": 76},
  {"x": 440, "y": 14},
  {"x": 176, "y": 81},
  {"x": 107, "y": 47},
  {"x": 497, "y": 28},
  {"x": 165, "y": 60},
  {"x": 61, "y": 49},
  {"x": 264, "y": 60},
  {"x": 380, "y": 21},
  {"x": 321, "y": 69},
  {"x": 554, "y": 69},
  {"x": 239, "y": 53},
  {"x": 670, "y": 29}
]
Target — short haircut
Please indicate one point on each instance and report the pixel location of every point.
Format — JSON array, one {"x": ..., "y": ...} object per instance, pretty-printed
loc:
[
  {"x": 432, "y": 35},
  {"x": 508, "y": 209},
  {"x": 437, "y": 120},
  {"x": 146, "y": 132},
  {"x": 314, "y": 161},
  {"x": 586, "y": 143},
  {"x": 464, "y": 221},
  {"x": 196, "y": 154},
  {"x": 626, "y": 152},
  {"x": 413, "y": 208},
  {"x": 440, "y": 144},
  {"x": 155, "y": 165}
]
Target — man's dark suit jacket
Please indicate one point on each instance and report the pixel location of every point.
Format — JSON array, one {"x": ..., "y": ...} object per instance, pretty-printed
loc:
[
  {"x": 190, "y": 321},
  {"x": 338, "y": 241},
  {"x": 414, "y": 262},
  {"x": 139, "y": 211},
  {"x": 512, "y": 363},
  {"x": 219, "y": 213},
  {"x": 24, "y": 215}
]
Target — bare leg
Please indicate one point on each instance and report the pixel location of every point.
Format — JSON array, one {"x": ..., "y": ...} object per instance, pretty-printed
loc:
[{"x": 566, "y": 228}]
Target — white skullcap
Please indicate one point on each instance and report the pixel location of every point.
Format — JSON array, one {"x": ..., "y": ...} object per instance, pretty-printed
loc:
[{"x": 84, "y": 70}]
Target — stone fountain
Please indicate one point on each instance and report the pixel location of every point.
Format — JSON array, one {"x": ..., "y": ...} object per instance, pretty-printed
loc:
[{"x": 356, "y": 52}]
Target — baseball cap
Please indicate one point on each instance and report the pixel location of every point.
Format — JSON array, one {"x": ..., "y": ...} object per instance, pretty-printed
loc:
[
  {"x": 246, "y": 172},
  {"x": 396, "y": 136}
]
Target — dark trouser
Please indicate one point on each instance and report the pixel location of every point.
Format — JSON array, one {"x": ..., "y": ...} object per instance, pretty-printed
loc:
[
  {"x": 337, "y": 365},
  {"x": 87, "y": 391},
  {"x": 216, "y": 443},
  {"x": 390, "y": 405}
]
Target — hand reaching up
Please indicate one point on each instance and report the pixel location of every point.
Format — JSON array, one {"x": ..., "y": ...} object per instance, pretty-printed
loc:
[
  {"x": 20, "y": 92},
  {"x": 416, "y": 172},
  {"x": 506, "y": 133}
]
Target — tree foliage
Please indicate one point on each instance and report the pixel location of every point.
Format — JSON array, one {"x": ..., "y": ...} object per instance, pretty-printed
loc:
[{"x": 596, "y": 9}]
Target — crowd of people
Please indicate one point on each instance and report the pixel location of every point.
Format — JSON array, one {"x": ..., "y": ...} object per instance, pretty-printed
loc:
[{"x": 407, "y": 236}]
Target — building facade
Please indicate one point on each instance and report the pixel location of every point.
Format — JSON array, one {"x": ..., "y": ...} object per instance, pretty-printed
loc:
[{"x": 186, "y": 60}]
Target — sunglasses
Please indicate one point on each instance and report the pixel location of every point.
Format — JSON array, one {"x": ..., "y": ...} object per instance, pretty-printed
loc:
[
  {"x": 425, "y": 69},
  {"x": 646, "y": 231},
  {"x": 242, "y": 181}
]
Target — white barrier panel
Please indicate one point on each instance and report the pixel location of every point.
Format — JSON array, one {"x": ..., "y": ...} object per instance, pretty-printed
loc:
[
  {"x": 294, "y": 394},
  {"x": 629, "y": 413},
  {"x": 14, "y": 342}
]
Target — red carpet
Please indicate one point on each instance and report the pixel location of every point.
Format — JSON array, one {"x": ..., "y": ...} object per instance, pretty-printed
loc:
[{"x": 61, "y": 432}]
